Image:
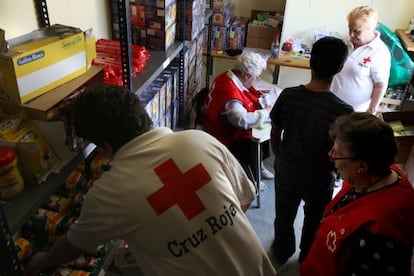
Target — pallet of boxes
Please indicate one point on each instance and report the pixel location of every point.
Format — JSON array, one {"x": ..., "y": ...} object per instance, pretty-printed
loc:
[{"x": 262, "y": 29}]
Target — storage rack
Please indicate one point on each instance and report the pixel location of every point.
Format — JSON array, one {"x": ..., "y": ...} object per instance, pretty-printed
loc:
[
  {"x": 16, "y": 212},
  {"x": 209, "y": 57}
]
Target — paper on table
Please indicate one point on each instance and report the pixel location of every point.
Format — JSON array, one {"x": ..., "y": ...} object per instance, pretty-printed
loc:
[{"x": 273, "y": 88}]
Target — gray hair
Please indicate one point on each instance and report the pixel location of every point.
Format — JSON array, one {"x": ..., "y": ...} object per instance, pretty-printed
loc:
[{"x": 251, "y": 63}]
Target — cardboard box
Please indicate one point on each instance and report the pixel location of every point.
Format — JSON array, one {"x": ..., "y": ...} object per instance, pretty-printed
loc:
[
  {"x": 42, "y": 60},
  {"x": 405, "y": 142},
  {"x": 260, "y": 36}
]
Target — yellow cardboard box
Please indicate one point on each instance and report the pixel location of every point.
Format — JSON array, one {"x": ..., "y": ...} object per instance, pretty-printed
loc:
[{"x": 42, "y": 60}]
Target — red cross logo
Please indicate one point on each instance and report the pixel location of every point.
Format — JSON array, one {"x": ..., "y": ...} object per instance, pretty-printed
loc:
[
  {"x": 366, "y": 60},
  {"x": 331, "y": 241},
  {"x": 179, "y": 189}
]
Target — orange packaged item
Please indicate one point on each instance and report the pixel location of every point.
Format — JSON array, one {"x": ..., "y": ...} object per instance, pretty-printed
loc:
[
  {"x": 11, "y": 182},
  {"x": 23, "y": 247}
]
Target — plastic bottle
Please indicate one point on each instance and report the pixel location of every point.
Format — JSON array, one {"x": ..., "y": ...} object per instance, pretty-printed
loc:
[{"x": 275, "y": 46}]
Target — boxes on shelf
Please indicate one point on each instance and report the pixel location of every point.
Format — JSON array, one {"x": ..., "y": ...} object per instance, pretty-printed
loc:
[
  {"x": 137, "y": 15},
  {"x": 220, "y": 38},
  {"x": 223, "y": 17},
  {"x": 237, "y": 33},
  {"x": 218, "y": 5},
  {"x": 42, "y": 60},
  {"x": 160, "y": 18},
  {"x": 195, "y": 16},
  {"x": 160, "y": 39},
  {"x": 260, "y": 35},
  {"x": 403, "y": 125},
  {"x": 153, "y": 14}
]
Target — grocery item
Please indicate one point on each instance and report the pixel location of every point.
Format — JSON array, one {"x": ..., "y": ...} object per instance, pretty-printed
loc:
[{"x": 11, "y": 182}]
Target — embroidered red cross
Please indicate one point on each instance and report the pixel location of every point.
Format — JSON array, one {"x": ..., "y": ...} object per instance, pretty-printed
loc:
[
  {"x": 366, "y": 60},
  {"x": 179, "y": 189}
]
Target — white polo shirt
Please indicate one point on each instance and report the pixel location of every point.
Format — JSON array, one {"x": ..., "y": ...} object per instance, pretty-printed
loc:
[{"x": 364, "y": 66}]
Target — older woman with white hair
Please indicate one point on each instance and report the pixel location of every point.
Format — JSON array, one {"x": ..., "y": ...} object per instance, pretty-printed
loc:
[{"x": 231, "y": 109}]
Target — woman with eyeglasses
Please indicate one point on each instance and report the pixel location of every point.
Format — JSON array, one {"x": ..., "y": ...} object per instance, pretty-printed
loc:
[
  {"x": 231, "y": 109},
  {"x": 368, "y": 228}
]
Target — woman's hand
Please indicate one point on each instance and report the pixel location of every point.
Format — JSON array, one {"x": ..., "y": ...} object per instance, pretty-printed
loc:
[{"x": 264, "y": 92}]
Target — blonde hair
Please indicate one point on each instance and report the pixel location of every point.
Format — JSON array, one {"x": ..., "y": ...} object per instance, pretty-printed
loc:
[
  {"x": 251, "y": 63},
  {"x": 366, "y": 13}
]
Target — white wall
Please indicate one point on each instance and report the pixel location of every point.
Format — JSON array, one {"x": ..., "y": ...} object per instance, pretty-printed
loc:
[
  {"x": 302, "y": 16},
  {"x": 243, "y": 7},
  {"x": 18, "y": 17}
]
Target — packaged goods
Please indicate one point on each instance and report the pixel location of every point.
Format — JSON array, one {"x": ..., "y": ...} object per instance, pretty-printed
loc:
[
  {"x": 11, "y": 182},
  {"x": 58, "y": 203},
  {"x": 36, "y": 156},
  {"x": 23, "y": 248}
]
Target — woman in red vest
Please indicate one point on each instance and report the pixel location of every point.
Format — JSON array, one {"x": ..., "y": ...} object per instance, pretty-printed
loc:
[
  {"x": 368, "y": 228},
  {"x": 231, "y": 109}
]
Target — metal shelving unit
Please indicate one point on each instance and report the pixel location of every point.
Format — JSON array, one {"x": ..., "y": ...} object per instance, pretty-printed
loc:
[
  {"x": 209, "y": 57},
  {"x": 15, "y": 213},
  {"x": 155, "y": 65}
]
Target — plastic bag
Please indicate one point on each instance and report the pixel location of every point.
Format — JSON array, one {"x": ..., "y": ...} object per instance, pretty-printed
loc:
[{"x": 401, "y": 64}]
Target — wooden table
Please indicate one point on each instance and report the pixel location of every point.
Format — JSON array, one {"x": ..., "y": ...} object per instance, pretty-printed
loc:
[
  {"x": 405, "y": 39},
  {"x": 289, "y": 61}
]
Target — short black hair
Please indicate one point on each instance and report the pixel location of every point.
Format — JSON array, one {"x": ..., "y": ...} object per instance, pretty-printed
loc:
[
  {"x": 328, "y": 56},
  {"x": 109, "y": 114}
]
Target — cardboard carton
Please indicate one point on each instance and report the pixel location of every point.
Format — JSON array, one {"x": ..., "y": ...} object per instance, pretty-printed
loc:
[
  {"x": 42, "y": 60},
  {"x": 260, "y": 36}
]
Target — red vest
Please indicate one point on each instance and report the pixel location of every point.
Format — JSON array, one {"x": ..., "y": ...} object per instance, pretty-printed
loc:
[
  {"x": 388, "y": 211},
  {"x": 224, "y": 90}
]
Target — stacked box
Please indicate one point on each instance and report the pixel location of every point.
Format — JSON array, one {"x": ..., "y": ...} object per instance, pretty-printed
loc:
[
  {"x": 161, "y": 39},
  {"x": 150, "y": 99},
  {"x": 223, "y": 17},
  {"x": 220, "y": 36},
  {"x": 139, "y": 36},
  {"x": 152, "y": 22},
  {"x": 137, "y": 15},
  {"x": 260, "y": 35},
  {"x": 172, "y": 112},
  {"x": 160, "y": 18},
  {"x": 237, "y": 33},
  {"x": 218, "y": 5},
  {"x": 200, "y": 44},
  {"x": 195, "y": 16}
]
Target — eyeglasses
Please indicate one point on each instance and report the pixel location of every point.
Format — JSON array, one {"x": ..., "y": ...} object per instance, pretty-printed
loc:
[
  {"x": 333, "y": 158},
  {"x": 256, "y": 78}
]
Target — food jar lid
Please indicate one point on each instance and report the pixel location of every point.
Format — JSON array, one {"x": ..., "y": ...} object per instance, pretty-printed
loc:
[{"x": 7, "y": 155}]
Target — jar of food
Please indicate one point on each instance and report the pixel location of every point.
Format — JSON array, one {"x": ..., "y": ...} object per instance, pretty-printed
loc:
[{"x": 11, "y": 181}]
